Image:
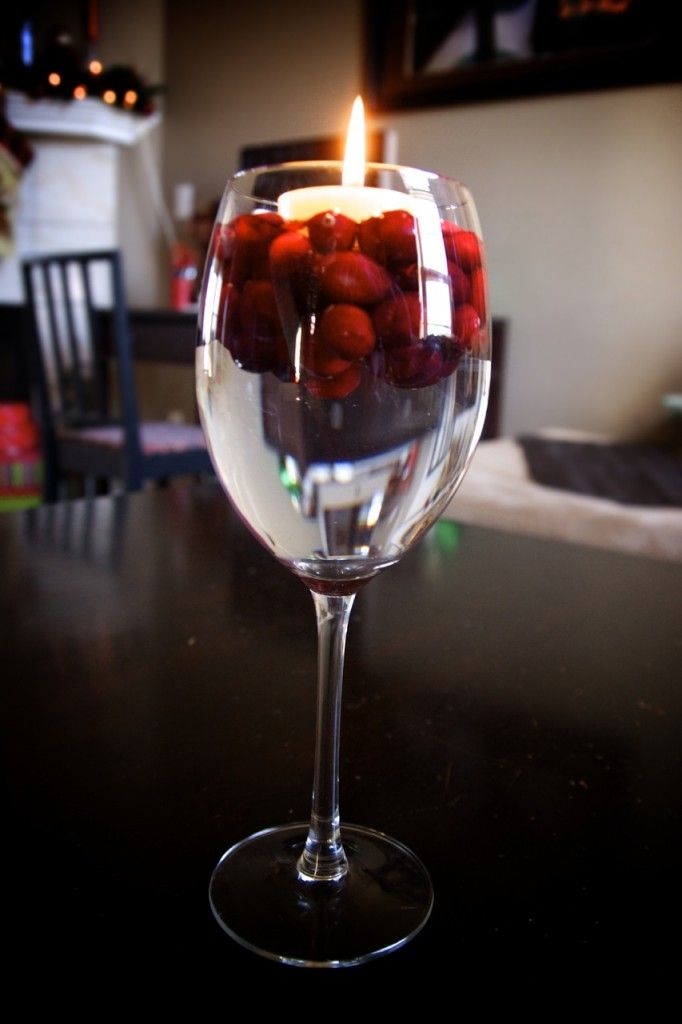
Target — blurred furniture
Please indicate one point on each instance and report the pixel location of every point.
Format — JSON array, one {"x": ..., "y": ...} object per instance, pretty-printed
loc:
[
  {"x": 511, "y": 712},
  {"x": 491, "y": 427},
  {"x": 81, "y": 433}
]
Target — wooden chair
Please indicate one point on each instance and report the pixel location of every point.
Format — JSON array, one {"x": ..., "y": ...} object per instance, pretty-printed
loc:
[{"x": 72, "y": 359}]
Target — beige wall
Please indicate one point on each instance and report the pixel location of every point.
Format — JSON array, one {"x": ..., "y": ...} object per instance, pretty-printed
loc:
[
  {"x": 579, "y": 195},
  {"x": 127, "y": 37},
  {"x": 580, "y": 199}
]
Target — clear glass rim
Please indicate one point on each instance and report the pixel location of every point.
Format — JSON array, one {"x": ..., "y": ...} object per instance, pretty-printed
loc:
[{"x": 235, "y": 180}]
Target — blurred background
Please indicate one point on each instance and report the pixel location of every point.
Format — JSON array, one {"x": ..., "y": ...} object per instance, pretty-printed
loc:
[{"x": 578, "y": 192}]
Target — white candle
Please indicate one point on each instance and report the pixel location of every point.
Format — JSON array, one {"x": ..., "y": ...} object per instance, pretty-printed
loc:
[
  {"x": 356, "y": 201},
  {"x": 352, "y": 198}
]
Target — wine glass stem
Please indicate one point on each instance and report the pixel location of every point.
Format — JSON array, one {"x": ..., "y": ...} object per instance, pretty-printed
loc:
[{"x": 323, "y": 858}]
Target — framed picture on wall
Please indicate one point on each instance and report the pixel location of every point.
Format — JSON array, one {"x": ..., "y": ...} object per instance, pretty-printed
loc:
[
  {"x": 321, "y": 148},
  {"x": 428, "y": 53}
]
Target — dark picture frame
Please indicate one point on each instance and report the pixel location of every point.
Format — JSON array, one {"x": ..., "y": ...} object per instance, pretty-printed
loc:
[
  {"x": 422, "y": 53},
  {"x": 327, "y": 147}
]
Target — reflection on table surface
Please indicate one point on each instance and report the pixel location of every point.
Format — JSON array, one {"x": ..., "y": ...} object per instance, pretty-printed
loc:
[{"x": 509, "y": 714}]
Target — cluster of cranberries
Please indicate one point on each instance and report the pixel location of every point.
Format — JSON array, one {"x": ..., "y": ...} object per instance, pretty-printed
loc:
[{"x": 353, "y": 288}]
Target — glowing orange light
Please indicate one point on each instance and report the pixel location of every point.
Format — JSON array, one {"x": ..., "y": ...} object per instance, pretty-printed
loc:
[
  {"x": 130, "y": 98},
  {"x": 53, "y": 78},
  {"x": 80, "y": 92},
  {"x": 95, "y": 67},
  {"x": 109, "y": 96}
]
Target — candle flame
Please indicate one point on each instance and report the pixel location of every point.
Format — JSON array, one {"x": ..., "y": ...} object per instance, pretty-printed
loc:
[{"x": 354, "y": 156}]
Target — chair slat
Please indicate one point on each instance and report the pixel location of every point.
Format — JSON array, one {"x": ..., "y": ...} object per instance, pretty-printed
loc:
[
  {"x": 53, "y": 335},
  {"x": 99, "y": 365},
  {"x": 76, "y": 376}
]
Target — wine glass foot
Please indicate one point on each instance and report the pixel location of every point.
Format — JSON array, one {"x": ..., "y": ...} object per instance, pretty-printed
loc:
[{"x": 259, "y": 899}]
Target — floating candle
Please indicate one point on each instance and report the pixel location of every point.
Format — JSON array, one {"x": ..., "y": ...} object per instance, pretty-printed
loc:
[{"x": 352, "y": 197}]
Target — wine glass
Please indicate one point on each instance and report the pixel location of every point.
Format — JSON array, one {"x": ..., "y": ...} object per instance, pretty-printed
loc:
[{"x": 343, "y": 366}]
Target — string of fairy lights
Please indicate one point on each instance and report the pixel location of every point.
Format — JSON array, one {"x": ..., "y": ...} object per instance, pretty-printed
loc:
[
  {"x": 59, "y": 71},
  {"x": 117, "y": 86}
]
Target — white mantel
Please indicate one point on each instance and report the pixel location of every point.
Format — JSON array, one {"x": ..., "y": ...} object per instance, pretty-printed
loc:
[
  {"x": 82, "y": 119},
  {"x": 70, "y": 196}
]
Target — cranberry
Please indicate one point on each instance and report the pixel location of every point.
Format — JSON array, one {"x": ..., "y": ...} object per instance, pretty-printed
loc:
[
  {"x": 449, "y": 230},
  {"x": 452, "y": 353},
  {"x": 462, "y": 247},
  {"x": 260, "y": 356},
  {"x": 478, "y": 292},
  {"x": 222, "y": 244},
  {"x": 254, "y": 228},
  {"x": 466, "y": 323},
  {"x": 460, "y": 288},
  {"x": 407, "y": 277},
  {"x": 397, "y": 320},
  {"x": 348, "y": 330},
  {"x": 331, "y": 232},
  {"x": 335, "y": 387},
  {"x": 354, "y": 278},
  {"x": 258, "y": 308},
  {"x": 291, "y": 265},
  {"x": 389, "y": 239},
  {"x": 398, "y": 235},
  {"x": 252, "y": 236},
  {"x": 370, "y": 239},
  {"x": 318, "y": 358},
  {"x": 415, "y": 366},
  {"x": 227, "y": 314},
  {"x": 288, "y": 252},
  {"x": 259, "y": 345}
]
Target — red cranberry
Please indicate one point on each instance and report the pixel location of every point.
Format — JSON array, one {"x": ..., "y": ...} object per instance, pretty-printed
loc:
[
  {"x": 354, "y": 278},
  {"x": 462, "y": 247},
  {"x": 397, "y": 320},
  {"x": 370, "y": 239},
  {"x": 259, "y": 345},
  {"x": 222, "y": 244},
  {"x": 253, "y": 228},
  {"x": 398, "y": 235},
  {"x": 415, "y": 366},
  {"x": 460, "y": 288},
  {"x": 452, "y": 353},
  {"x": 288, "y": 252},
  {"x": 252, "y": 236},
  {"x": 407, "y": 277},
  {"x": 466, "y": 323},
  {"x": 389, "y": 239},
  {"x": 291, "y": 265},
  {"x": 259, "y": 356},
  {"x": 331, "y": 232},
  {"x": 227, "y": 313},
  {"x": 335, "y": 387},
  {"x": 258, "y": 308},
  {"x": 318, "y": 358},
  {"x": 478, "y": 292},
  {"x": 347, "y": 330}
]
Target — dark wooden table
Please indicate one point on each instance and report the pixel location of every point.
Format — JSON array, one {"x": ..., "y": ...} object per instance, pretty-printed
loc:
[{"x": 510, "y": 713}]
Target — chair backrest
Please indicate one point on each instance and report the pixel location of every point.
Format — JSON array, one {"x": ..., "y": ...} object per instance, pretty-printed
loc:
[{"x": 66, "y": 294}]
